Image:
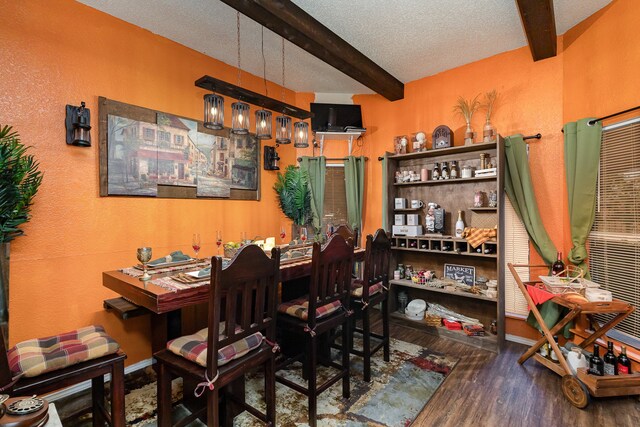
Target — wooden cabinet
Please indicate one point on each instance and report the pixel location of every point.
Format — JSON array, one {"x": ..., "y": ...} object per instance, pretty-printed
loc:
[{"x": 432, "y": 252}]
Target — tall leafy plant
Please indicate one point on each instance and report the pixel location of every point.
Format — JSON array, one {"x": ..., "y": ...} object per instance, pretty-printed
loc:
[
  {"x": 294, "y": 196},
  {"x": 19, "y": 182}
]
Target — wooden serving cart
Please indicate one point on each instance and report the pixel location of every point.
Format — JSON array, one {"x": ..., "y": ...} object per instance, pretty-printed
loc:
[{"x": 578, "y": 388}]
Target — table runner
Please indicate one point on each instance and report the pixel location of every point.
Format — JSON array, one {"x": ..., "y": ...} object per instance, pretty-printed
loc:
[{"x": 134, "y": 272}]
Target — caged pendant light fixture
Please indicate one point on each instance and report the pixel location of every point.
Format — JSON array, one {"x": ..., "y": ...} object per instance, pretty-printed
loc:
[
  {"x": 239, "y": 110},
  {"x": 213, "y": 111},
  {"x": 283, "y": 123},
  {"x": 301, "y": 134},
  {"x": 263, "y": 117}
]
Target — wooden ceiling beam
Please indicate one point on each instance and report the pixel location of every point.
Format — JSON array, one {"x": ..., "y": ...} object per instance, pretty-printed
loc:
[
  {"x": 539, "y": 24},
  {"x": 283, "y": 17}
]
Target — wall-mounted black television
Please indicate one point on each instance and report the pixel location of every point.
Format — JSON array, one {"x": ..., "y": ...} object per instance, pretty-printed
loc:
[{"x": 335, "y": 117}]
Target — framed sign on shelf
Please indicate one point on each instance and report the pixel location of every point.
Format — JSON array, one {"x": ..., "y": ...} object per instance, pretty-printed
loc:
[{"x": 460, "y": 273}]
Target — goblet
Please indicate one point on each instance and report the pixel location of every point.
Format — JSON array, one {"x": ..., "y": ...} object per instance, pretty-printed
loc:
[
  {"x": 218, "y": 240},
  {"x": 303, "y": 235},
  {"x": 144, "y": 255},
  {"x": 283, "y": 234},
  {"x": 195, "y": 243}
]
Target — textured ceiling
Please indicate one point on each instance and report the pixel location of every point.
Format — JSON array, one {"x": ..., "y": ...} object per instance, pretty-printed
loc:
[{"x": 410, "y": 39}]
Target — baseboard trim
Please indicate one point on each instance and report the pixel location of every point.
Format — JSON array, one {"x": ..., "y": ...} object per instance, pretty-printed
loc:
[
  {"x": 519, "y": 340},
  {"x": 59, "y": 394}
]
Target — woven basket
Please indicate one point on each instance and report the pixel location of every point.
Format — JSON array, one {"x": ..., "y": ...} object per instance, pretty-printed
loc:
[{"x": 432, "y": 319}]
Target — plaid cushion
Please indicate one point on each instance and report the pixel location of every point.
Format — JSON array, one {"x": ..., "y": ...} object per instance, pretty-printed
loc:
[
  {"x": 194, "y": 347},
  {"x": 35, "y": 357},
  {"x": 299, "y": 307},
  {"x": 357, "y": 285}
]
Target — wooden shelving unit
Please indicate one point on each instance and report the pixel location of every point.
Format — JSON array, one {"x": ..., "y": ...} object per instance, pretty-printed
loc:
[{"x": 426, "y": 251}]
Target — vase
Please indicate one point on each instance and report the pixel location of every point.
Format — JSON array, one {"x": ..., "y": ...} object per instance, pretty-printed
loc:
[
  {"x": 4, "y": 291},
  {"x": 468, "y": 135},
  {"x": 488, "y": 132}
]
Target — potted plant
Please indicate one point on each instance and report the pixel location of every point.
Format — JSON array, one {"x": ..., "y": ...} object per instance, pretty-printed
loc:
[
  {"x": 19, "y": 182},
  {"x": 294, "y": 196},
  {"x": 489, "y": 132},
  {"x": 466, "y": 108}
]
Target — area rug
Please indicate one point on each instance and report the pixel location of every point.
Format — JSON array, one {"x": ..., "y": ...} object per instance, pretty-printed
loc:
[{"x": 398, "y": 391}]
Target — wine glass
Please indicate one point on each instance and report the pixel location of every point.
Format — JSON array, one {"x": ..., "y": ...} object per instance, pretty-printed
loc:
[
  {"x": 144, "y": 255},
  {"x": 283, "y": 233},
  {"x": 303, "y": 235},
  {"x": 329, "y": 231},
  {"x": 195, "y": 243},
  {"x": 218, "y": 239}
]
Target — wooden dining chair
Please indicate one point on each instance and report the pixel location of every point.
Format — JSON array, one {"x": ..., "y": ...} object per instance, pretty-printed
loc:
[
  {"x": 244, "y": 294},
  {"x": 40, "y": 366},
  {"x": 314, "y": 316},
  {"x": 373, "y": 289},
  {"x": 348, "y": 233}
]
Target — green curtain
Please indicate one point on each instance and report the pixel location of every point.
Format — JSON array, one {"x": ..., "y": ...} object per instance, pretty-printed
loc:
[
  {"x": 385, "y": 195},
  {"x": 316, "y": 168},
  {"x": 581, "y": 157},
  {"x": 354, "y": 182},
  {"x": 519, "y": 189}
]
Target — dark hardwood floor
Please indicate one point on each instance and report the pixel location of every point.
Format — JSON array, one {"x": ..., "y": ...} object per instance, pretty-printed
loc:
[{"x": 488, "y": 389}]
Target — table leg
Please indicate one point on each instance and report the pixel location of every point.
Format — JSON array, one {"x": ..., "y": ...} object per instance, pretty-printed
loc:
[
  {"x": 602, "y": 330},
  {"x": 548, "y": 334}
]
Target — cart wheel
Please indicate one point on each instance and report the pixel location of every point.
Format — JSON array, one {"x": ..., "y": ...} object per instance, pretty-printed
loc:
[{"x": 575, "y": 391}]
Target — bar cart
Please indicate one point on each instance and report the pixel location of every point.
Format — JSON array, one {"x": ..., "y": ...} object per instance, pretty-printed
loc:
[{"x": 577, "y": 388}]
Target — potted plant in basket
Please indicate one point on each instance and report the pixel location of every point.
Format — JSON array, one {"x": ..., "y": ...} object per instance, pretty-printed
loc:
[
  {"x": 19, "y": 182},
  {"x": 466, "y": 108},
  {"x": 294, "y": 196}
]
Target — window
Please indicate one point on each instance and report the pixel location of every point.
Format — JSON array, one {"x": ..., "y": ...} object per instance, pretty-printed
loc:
[
  {"x": 178, "y": 139},
  {"x": 615, "y": 237},
  {"x": 149, "y": 134},
  {"x": 164, "y": 137},
  {"x": 335, "y": 199},
  {"x": 516, "y": 251}
]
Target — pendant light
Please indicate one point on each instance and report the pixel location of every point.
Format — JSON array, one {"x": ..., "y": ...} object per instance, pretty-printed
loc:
[
  {"x": 213, "y": 111},
  {"x": 263, "y": 117},
  {"x": 301, "y": 134},
  {"x": 239, "y": 110},
  {"x": 283, "y": 123}
]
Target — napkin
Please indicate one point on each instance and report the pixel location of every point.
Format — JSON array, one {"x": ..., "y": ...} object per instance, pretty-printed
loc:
[
  {"x": 172, "y": 257},
  {"x": 204, "y": 272}
]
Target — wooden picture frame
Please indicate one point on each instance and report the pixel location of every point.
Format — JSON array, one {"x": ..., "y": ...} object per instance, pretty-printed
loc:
[
  {"x": 178, "y": 176},
  {"x": 460, "y": 273}
]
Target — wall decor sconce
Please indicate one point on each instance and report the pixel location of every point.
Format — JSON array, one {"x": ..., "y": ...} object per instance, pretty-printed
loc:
[
  {"x": 78, "y": 124},
  {"x": 271, "y": 158}
]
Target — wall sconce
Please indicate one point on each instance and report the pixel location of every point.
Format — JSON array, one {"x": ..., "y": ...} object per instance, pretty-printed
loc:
[
  {"x": 301, "y": 134},
  {"x": 78, "y": 124},
  {"x": 271, "y": 158}
]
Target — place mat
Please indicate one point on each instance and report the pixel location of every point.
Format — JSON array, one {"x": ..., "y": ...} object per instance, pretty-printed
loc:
[
  {"x": 134, "y": 272},
  {"x": 170, "y": 284}
]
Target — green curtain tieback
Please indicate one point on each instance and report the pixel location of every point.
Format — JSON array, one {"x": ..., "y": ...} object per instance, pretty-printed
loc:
[{"x": 578, "y": 254}]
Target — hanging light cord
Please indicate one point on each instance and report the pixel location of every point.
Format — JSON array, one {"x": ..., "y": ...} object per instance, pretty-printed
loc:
[
  {"x": 264, "y": 66},
  {"x": 283, "y": 93},
  {"x": 238, "y": 32}
]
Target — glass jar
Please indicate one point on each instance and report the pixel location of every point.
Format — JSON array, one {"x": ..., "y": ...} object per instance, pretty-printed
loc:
[
  {"x": 401, "y": 270},
  {"x": 403, "y": 300},
  {"x": 478, "y": 199},
  {"x": 408, "y": 270},
  {"x": 467, "y": 172},
  {"x": 493, "y": 199}
]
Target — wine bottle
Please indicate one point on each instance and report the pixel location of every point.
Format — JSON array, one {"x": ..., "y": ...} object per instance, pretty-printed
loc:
[
  {"x": 544, "y": 350},
  {"x": 489, "y": 249},
  {"x": 459, "y": 225},
  {"x": 436, "y": 171},
  {"x": 553, "y": 356},
  {"x": 624, "y": 364},
  {"x": 558, "y": 266},
  {"x": 596, "y": 364},
  {"x": 610, "y": 361},
  {"x": 444, "y": 171}
]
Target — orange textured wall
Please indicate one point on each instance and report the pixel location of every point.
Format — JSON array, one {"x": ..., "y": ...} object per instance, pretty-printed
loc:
[{"x": 62, "y": 52}]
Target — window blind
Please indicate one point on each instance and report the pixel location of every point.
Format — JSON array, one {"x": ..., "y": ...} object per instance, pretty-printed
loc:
[
  {"x": 335, "y": 199},
  {"x": 615, "y": 237},
  {"x": 516, "y": 251}
]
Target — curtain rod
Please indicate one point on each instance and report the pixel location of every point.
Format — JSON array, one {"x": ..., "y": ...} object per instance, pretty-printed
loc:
[
  {"x": 536, "y": 136},
  {"x": 619, "y": 113},
  {"x": 330, "y": 159}
]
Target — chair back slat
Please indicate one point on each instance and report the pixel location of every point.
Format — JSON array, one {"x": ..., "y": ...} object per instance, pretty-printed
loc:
[
  {"x": 347, "y": 233},
  {"x": 376, "y": 262},
  {"x": 331, "y": 267},
  {"x": 245, "y": 293}
]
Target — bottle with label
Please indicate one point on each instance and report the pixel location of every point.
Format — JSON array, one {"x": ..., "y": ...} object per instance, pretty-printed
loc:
[
  {"x": 459, "y": 225},
  {"x": 435, "y": 174},
  {"x": 610, "y": 361},
  {"x": 453, "y": 172},
  {"x": 544, "y": 350},
  {"x": 596, "y": 364},
  {"x": 558, "y": 266},
  {"x": 444, "y": 172},
  {"x": 553, "y": 356},
  {"x": 624, "y": 364}
]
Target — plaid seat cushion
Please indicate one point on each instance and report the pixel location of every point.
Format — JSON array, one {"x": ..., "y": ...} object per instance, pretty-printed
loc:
[
  {"x": 299, "y": 308},
  {"x": 357, "y": 285},
  {"x": 194, "y": 347},
  {"x": 34, "y": 357}
]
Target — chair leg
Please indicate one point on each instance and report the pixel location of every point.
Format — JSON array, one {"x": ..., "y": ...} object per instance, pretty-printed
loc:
[
  {"x": 366, "y": 344},
  {"x": 312, "y": 380},
  {"x": 117, "y": 395},
  {"x": 270, "y": 390},
  {"x": 346, "y": 327},
  {"x": 385, "y": 328},
  {"x": 97, "y": 401},
  {"x": 212, "y": 408},
  {"x": 164, "y": 396}
]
